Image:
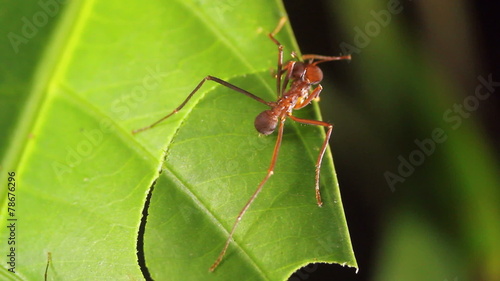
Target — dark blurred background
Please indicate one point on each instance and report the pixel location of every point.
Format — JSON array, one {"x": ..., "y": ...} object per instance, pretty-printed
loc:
[{"x": 416, "y": 134}]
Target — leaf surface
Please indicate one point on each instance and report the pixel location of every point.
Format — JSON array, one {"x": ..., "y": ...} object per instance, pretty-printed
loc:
[{"x": 83, "y": 177}]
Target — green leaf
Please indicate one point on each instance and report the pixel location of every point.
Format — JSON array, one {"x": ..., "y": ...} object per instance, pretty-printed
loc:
[{"x": 83, "y": 177}]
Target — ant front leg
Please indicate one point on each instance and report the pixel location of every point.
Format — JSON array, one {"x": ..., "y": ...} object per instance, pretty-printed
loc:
[
  {"x": 279, "y": 69},
  {"x": 322, "y": 151},
  {"x": 212, "y": 78}
]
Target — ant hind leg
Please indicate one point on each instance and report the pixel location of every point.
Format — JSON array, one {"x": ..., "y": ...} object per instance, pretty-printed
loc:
[{"x": 322, "y": 151}]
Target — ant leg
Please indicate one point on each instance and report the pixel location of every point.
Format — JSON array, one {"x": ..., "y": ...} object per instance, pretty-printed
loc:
[
  {"x": 280, "y": 25},
  {"x": 279, "y": 70},
  {"x": 49, "y": 259},
  {"x": 314, "y": 95},
  {"x": 215, "y": 79},
  {"x": 323, "y": 148},
  {"x": 270, "y": 171},
  {"x": 288, "y": 69},
  {"x": 321, "y": 58}
]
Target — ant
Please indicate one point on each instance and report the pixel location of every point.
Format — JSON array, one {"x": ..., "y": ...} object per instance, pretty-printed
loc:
[{"x": 295, "y": 92}]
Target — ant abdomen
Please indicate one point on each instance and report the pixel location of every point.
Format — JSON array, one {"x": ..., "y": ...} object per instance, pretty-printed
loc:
[{"x": 266, "y": 122}]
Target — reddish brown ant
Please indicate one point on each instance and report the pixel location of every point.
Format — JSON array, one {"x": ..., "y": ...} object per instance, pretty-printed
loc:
[{"x": 301, "y": 75}]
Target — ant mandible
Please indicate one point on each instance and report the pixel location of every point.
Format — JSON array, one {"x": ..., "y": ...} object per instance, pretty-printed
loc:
[{"x": 301, "y": 75}]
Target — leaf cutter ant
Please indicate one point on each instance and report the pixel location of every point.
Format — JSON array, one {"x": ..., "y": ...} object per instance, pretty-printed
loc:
[{"x": 297, "y": 84}]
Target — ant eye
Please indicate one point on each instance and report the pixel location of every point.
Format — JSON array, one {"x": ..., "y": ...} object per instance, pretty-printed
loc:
[
  {"x": 266, "y": 122},
  {"x": 313, "y": 74},
  {"x": 298, "y": 70}
]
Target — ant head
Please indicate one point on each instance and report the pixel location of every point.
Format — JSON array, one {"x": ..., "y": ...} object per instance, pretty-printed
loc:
[
  {"x": 307, "y": 71},
  {"x": 313, "y": 74},
  {"x": 266, "y": 122}
]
